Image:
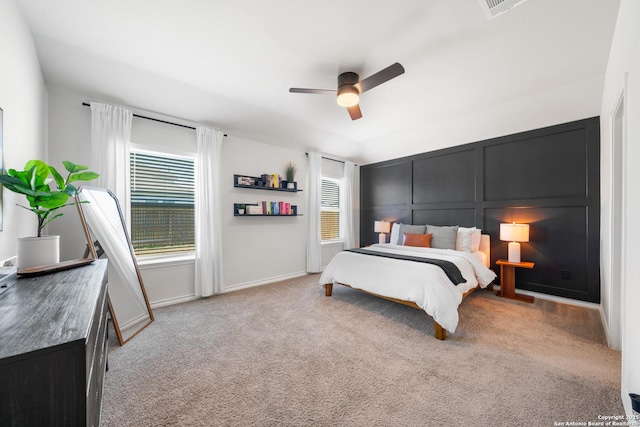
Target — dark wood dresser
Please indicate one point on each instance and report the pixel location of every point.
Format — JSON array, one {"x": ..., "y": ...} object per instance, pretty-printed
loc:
[{"x": 53, "y": 348}]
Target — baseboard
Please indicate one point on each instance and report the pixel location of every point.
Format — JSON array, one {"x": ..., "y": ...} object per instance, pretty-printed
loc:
[
  {"x": 172, "y": 301},
  {"x": 554, "y": 298},
  {"x": 187, "y": 298},
  {"x": 142, "y": 318},
  {"x": 264, "y": 281},
  {"x": 605, "y": 325}
]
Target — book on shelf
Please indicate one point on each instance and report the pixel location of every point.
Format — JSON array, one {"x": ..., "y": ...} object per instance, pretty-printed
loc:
[
  {"x": 254, "y": 210},
  {"x": 284, "y": 208},
  {"x": 276, "y": 208}
]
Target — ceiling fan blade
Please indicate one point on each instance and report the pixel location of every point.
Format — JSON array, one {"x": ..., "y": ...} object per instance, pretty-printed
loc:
[
  {"x": 380, "y": 77},
  {"x": 355, "y": 112},
  {"x": 313, "y": 91}
]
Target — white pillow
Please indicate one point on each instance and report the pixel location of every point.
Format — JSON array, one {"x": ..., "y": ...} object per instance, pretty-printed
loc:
[
  {"x": 395, "y": 233},
  {"x": 465, "y": 241},
  {"x": 475, "y": 244}
]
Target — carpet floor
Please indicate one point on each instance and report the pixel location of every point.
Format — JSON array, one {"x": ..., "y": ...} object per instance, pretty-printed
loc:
[{"x": 283, "y": 354}]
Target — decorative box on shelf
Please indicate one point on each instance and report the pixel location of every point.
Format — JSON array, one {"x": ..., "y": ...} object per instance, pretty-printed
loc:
[{"x": 271, "y": 182}]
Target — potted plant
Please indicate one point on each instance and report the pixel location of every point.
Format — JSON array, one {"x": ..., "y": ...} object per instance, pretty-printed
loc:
[
  {"x": 290, "y": 172},
  {"x": 33, "y": 182}
]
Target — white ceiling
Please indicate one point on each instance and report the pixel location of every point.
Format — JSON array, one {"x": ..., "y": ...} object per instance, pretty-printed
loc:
[{"x": 230, "y": 63}]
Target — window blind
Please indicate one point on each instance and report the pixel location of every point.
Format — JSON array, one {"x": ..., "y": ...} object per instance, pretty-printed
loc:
[
  {"x": 329, "y": 210},
  {"x": 162, "y": 204}
]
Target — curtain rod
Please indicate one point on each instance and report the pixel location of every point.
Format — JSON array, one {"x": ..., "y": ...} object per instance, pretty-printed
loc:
[
  {"x": 328, "y": 158},
  {"x": 156, "y": 120}
]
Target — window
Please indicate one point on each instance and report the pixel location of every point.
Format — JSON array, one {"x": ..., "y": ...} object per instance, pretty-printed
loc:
[
  {"x": 162, "y": 203},
  {"x": 330, "y": 209}
]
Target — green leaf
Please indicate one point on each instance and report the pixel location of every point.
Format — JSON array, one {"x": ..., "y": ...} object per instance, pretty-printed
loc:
[
  {"x": 42, "y": 169},
  {"x": 35, "y": 193},
  {"x": 59, "y": 179},
  {"x": 54, "y": 200},
  {"x": 71, "y": 190},
  {"x": 83, "y": 176},
  {"x": 72, "y": 167},
  {"x": 14, "y": 184},
  {"x": 21, "y": 175}
]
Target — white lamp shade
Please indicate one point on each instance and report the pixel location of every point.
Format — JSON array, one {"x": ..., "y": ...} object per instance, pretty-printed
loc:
[
  {"x": 382, "y": 227},
  {"x": 514, "y": 232},
  {"x": 348, "y": 96}
]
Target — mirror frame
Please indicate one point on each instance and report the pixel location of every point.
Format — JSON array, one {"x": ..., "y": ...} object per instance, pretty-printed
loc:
[{"x": 94, "y": 255}]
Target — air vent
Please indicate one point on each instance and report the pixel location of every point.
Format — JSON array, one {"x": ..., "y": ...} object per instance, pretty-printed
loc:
[{"x": 493, "y": 8}]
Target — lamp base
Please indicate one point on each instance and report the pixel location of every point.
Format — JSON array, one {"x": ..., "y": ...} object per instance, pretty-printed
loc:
[
  {"x": 514, "y": 252},
  {"x": 382, "y": 238}
]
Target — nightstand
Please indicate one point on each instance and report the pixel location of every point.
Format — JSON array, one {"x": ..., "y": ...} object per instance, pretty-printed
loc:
[{"x": 508, "y": 279}]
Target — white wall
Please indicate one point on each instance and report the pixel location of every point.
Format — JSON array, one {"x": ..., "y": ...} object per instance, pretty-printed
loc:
[
  {"x": 261, "y": 249},
  {"x": 69, "y": 138},
  {"x": 255, "y": 250},
  {"x": 624, "y": 61},
  {"x": 23, "y": 99}
]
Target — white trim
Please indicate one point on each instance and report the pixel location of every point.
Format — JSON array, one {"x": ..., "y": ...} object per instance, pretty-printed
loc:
[
  {"x": 263, "y": 282},
  {"x": 144, "y": 317},
  {"x": 172, "y": 301},
  {"x": 603, "y": 319},
  {"x": 563, "y": 300},
  {"x": 613, "y": 323},
  {"x": 151, "y": 262},
  {"x": 187, "y": 298}
]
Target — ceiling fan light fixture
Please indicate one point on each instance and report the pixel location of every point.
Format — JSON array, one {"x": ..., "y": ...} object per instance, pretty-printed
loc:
[
  {"x": 348, "y": 96},
  {"x": 350, "y": 87}
]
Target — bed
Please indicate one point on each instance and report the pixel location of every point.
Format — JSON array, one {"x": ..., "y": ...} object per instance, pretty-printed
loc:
[{"x": 398, "y": 273}]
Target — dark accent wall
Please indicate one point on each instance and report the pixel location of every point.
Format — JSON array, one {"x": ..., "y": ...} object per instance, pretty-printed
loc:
[{"x": 548, "y": 178}]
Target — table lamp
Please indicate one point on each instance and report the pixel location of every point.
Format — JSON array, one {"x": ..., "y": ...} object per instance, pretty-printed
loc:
[
  {"x": 382, "y": 227},
  {"x": 514, "y": 234}
]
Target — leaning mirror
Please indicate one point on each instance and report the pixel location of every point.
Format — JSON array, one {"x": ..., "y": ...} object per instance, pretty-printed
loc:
[{"x": 105, "y": 230}]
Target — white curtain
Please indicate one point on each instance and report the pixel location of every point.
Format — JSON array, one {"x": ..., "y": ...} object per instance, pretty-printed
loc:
[
  {"x": 110, "y": 141},
  {"x": 314, "y": 247},
  {"x": 349, "y": 240},
  {"x": 208, "y": 224}
]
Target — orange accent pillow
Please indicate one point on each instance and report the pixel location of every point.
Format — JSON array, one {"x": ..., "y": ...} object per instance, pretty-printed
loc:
[{"x": 422, "y": 240}]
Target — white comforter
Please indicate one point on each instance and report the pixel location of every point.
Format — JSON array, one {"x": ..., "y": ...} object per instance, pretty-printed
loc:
[{"x": 424, "y": 284}]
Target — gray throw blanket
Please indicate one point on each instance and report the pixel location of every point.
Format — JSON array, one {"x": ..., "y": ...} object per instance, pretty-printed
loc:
[{"x": 450, "y": 269}]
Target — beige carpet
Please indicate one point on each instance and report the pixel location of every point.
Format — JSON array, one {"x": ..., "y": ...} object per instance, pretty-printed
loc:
[{"x": 286, "y": 355}]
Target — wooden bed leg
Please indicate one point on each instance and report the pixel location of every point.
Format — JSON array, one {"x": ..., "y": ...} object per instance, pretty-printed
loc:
[
  {"x": 441, "y": 333},
  {"x": 328, "y": 289}
]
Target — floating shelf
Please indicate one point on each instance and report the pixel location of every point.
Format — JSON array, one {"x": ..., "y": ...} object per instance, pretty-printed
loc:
[
  {"x": 239, "y": 206},
  {"x": 260, "y": 187},
  {"x": 283, "y": 216}
]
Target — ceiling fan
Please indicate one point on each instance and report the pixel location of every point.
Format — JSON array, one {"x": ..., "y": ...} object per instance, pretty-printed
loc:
[{"x": 350, "y": 87}]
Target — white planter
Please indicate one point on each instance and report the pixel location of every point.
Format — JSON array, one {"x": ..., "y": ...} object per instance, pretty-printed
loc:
[{"x": 34, "y": 251}]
